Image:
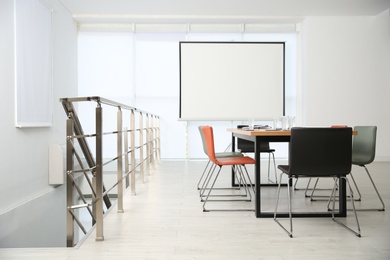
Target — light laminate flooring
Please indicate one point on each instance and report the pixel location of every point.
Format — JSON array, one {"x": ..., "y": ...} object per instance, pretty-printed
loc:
[{"x": 165, "y": 221}]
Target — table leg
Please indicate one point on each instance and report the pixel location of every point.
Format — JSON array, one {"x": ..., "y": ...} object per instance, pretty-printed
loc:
[
  {"x": 342, "y": 198},
  {"x": 257, "y": 179},
  {"x": 233, "y": 150}
]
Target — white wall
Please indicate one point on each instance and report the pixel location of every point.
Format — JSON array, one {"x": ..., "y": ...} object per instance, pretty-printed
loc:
[
  {"x": 347, "y": 73},
  {"x": 24, "y": 152}
]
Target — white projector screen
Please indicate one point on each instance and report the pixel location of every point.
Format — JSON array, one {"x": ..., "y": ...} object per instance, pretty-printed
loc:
[{"x": 231, "y": 80}]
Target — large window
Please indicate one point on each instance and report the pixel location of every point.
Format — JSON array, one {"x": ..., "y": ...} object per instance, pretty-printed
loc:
[{"x": 142, "y": 69}]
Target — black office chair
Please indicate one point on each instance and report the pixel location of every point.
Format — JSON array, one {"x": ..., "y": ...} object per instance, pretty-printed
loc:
[
  {"x": 363, "y": 153},
  {"x": 245, "y": 146},
  {"x": 318, "y": 153}
]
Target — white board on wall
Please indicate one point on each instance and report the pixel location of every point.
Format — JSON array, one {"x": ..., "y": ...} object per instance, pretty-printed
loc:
[
  {"x": 231, "y": 80},
  {"x": 33, "y": 64}
]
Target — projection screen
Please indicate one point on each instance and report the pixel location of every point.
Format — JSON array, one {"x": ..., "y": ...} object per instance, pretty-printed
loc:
[{"x": 231, "y": 80}]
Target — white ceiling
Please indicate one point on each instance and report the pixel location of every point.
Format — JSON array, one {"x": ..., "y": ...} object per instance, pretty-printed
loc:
[{"x": 223, "y": 11}]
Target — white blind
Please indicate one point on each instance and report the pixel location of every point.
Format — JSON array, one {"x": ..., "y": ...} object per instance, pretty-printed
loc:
[{"x": 33, "y": 64}]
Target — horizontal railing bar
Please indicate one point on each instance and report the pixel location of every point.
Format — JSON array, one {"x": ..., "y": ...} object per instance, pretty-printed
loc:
[
  {"x": 106, "y": 102},
  {"x": 94, "y": 135},
  {"x": 81, "y": 136},
  {"x": 107, "y": 191},
  {"x": 83, "y": 170},
  {"x": 79, "y": 206},
  {"x": 98, "y": 100}
]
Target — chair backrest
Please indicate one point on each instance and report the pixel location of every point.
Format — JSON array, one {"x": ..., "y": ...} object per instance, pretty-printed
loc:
[
  {"x": 364, "y": 144},
  {"x": 203, "y": 140},
  {"x": 320, "y": 151},
  {"x": 209, "y": 140}
]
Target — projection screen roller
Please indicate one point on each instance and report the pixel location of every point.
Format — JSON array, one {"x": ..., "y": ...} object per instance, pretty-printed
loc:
[{"x": 231, "y": 80}]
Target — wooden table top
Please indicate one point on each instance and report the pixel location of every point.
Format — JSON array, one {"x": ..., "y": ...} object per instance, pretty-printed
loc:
[
  {"x": 265, "y": 132},
  {"x": 260, "y": 132}
]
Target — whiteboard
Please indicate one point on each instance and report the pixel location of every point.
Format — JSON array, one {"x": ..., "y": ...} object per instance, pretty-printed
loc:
[
  {"x": 33, "y": 64},
  {"x": 231, "y": 80}
]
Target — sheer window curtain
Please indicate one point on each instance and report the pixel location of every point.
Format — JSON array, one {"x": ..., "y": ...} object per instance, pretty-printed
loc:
[
  {"x": 33, "y": 64},
  {"x": 105, "y": 69},
  {"x": 148, "y": 73}
]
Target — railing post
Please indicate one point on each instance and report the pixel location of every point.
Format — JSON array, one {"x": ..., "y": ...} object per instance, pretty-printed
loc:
[
  {"x": 69, "y": 184},
  {"x": 126, "y": 144},
  {"x": 147, "y": 145},
  {"x": 141, "y": 147},
  {"x": 120, "y": 162},
  {"x": 99, "y": 175},
  {"x": 154, "y": 140},
  {"x": 158, "y": 138},
  {"x": 132, "y": 136},
  {"x": 152, "y": 159}
]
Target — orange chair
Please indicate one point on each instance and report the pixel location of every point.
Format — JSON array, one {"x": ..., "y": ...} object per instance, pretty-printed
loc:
[
  {"x": 203, "y": 179},
  {"x": 238, "y": 164}
]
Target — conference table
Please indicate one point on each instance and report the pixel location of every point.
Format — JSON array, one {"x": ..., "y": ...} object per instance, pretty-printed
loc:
[{"x": 260, "y": 135}]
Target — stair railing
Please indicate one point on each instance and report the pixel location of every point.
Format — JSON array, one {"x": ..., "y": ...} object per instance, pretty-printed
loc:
[{"x": 86, "y": 167}]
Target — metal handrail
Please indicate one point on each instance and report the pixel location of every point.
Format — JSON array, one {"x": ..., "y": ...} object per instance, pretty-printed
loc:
[{"x": 127, "y": 146}]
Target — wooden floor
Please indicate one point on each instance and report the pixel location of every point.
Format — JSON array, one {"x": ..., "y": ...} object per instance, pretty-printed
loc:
[{"x": 165, "y": 221}]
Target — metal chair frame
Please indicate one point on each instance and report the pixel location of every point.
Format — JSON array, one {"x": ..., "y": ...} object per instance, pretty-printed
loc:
[
  {"x": 369, "y": 132},
  {"x": 237, "y": 163},
  {"x": 310, "y": 155}
]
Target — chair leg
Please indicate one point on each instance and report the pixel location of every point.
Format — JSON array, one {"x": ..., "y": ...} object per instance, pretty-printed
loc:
[
  {"x": 212, "y": 187},
  {"x": 312, "y": 190},
  {"x": 307, "y": 186},
  {"x": 269, "y": 166},
  {"x": 207, "y": 181},
  {"x": 317, "y": 197},
  {"x": 249, "y": 179},
  {"x": 359, "y": 199},
  {"x": 201, "y": 177},
  {"x": 289, "y": 232},
  {"x": 357, "y": 233},
  {"x": 376, "y": 190},
  {"x": 208, "y": 194},
  {"x": 356, "y": 187},
  {"x": 246, "y": 183},
  {"x": 295, "y": 184},
  {"x": 276, "y": 177}
]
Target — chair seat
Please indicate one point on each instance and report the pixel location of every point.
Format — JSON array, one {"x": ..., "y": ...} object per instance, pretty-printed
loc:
[
  {"x": 228, "y": 154},
  {"x": 359, "y": 159},
  {"x": 286, "y": 170},
  {"x": 235, "y": 160},
  {"x": 267, "y": 151}
]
